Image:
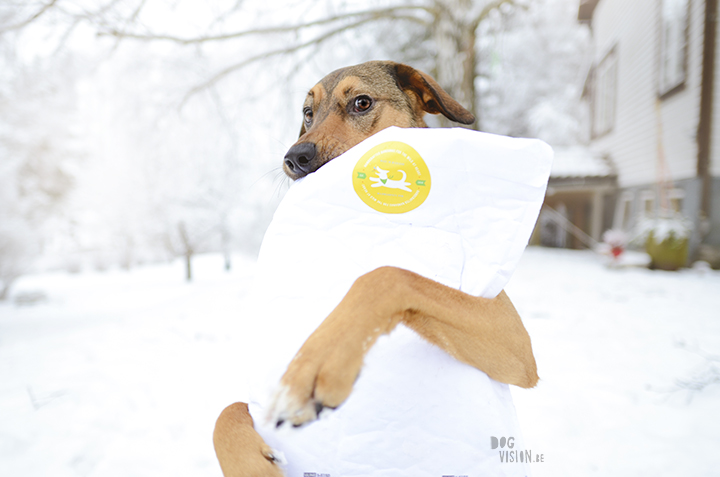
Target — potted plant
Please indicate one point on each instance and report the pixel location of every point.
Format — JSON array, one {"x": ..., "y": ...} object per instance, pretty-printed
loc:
[{"x": 666, "y": 240}]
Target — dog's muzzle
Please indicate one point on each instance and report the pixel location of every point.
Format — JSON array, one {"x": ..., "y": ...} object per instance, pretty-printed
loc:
[{"x": 300, "y": 159}]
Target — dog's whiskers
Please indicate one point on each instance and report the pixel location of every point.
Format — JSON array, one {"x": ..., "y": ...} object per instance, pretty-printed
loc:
[{"x": 280, "y": 174}]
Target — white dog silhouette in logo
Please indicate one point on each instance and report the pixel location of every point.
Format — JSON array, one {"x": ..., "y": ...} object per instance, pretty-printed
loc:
[{"x": 383, "y": 181}]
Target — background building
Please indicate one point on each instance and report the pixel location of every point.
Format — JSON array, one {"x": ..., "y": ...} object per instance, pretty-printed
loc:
[{"x": 654, "y": 116}]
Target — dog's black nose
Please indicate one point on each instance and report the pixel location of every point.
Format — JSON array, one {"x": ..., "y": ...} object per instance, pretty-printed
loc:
[{"x": 300, "y": 157}]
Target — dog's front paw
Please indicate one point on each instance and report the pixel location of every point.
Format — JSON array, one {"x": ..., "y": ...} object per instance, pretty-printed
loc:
[
  {"x": 320, "y": 376},
  {"x": 288, "y": 408}
]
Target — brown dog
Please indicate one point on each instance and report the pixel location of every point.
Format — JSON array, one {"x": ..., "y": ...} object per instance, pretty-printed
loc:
[{"x": 346, "y": 107}]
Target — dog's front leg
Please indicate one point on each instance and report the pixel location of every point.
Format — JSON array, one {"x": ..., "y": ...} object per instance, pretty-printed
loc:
[
  {"x": 239, "y": 448},
  {"x": 485, "y": 333}
]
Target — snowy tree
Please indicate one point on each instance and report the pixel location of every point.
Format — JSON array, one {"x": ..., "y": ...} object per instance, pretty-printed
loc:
[
  {"x": 171, "y": 181},
  {"x": 306, "y": 27},
  {"x": 517, "y": 65},
  {"x": 38, "y": 155},
  {"x": 532, "y": 67},
  {"x": 188, "y": 107}
]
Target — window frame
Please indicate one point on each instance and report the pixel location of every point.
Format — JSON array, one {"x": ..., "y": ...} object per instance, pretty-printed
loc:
[
  {"x": 605, "y": 96},
  {"x": 647, "y": 197},
  {"x": 681, "y": 26},
  {"x": 676, "y": 199},
  {"x": 623, "y": 219}
]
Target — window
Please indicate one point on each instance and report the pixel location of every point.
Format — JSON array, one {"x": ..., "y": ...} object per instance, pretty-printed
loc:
[
  {"x": 647, "y": 203},
  {"x": 673, "y": 45},
  {"x": 605, "y": 94},
  {"x": 675, "y": 200},
  {"x": 623, "y": 213}
]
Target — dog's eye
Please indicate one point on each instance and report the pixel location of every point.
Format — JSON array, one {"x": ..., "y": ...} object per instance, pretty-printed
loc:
[
  {"x": 307, "y": 115},
  {"x": 362, "y": 104}
]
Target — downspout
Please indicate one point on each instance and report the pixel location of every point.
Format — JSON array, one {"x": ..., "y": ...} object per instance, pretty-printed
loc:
[{"x": 704, "y": 134}]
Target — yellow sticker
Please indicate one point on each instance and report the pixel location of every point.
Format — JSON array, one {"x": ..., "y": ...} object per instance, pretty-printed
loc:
[{"x": 392, "y": 178}]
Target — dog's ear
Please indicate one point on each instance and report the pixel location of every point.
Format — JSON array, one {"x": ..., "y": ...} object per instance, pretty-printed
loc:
[{"x": 433, "y": 99}]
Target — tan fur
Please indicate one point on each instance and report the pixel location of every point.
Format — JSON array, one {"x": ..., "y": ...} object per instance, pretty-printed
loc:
[
  {"x": 485, "y": 333},
  {"x": 401, "y": 96},
  {"x": 240, "y": 450}
]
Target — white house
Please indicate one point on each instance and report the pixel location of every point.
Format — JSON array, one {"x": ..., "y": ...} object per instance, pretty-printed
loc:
[{"x": 654, "y": 95}]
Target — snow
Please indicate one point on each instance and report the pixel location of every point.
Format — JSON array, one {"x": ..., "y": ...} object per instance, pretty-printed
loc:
[
  {"x": 662, "y": 228},
  {"x": 578, "y": 161},
  {"x": 608, "y": 346},
  {"x": 123, "y": 373}
]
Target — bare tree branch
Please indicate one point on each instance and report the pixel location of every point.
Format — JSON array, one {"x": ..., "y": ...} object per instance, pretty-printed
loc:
[
  {"x": 136, "y": 12},
  {"x": 129, "y": 20},
  {"x": 369, "y": 14},
  {"x": 281, "y": 51},
  {"x": 220, "y": 18},
  {"x": 92, "y": 16},
  {"x": 488, "y": 9},
  {"x": 34, "y": 17}
]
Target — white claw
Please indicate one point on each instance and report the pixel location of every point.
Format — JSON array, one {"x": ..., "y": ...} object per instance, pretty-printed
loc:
[
  {"x": 286, "y": 407},
  {"x": 278, "y": 457}
]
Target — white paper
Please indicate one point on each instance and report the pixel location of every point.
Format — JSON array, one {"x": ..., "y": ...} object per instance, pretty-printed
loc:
[{"x": 414, "y": 410}]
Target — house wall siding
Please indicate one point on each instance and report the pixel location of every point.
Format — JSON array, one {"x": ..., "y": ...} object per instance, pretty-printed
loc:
[
  {"x": 715, "y": 139},
  {"x": 681, "y": 112},
  {"x": 633, "y": 28},
  {"x": 690, "y": 205}
]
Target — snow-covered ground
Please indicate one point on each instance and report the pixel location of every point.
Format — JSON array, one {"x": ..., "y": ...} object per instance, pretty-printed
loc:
[
  {"x": 611, "y": 346},
  {"x": 123, "y": 373}
]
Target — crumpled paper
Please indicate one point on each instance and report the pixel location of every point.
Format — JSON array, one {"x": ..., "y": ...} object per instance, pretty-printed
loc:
[{"x": 414, "y": 411}]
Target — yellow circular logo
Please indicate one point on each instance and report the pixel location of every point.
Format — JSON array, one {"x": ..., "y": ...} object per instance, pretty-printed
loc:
[{"x": 392, "y": 178}]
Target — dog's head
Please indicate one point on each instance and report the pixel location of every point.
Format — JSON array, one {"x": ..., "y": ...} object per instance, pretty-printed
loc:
[{"x": 353, "y": 103}]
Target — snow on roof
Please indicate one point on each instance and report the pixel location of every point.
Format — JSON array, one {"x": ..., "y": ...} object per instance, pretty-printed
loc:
[{"x": 579, "y": 161}]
